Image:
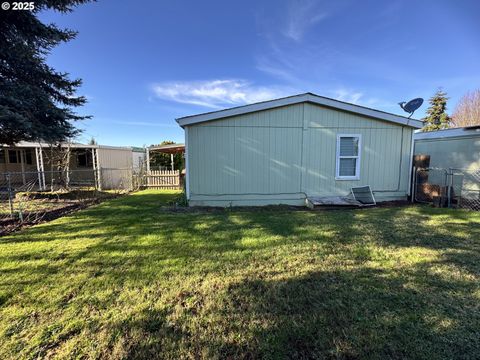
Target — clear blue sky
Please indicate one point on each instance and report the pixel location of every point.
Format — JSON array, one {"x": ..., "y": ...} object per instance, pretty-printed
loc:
[{"x": 144, "y": 63}]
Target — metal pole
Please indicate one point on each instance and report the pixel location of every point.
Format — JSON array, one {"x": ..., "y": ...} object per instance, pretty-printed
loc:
[
  {"x": 22, "y": 163},
  {"x": 414, "y": 193},
  {"x": 44, "y": 185},
  {"x": 37, "y": 157},
  {"x": 449, "y": 196},
  {"x": 148, "y": 160},
  {"x": 67, "y": 175},
  {"x": 171, "y": 160},
  {"x": 10, "y": 197},
  {"x": 99, "y": 170}
]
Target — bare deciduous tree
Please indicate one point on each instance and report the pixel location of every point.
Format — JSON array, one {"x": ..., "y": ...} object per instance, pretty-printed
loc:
[
  {"x": 58, "y": 157},
  {"x": 467, "y": 112}
]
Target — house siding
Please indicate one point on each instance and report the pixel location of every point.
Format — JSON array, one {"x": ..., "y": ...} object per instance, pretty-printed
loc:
[
  {"x": 115, "y": 165},
  {"x": 452, "y": 152},
  {"x": 281, "y": 155},
  {"x": 114, "y": 158}
]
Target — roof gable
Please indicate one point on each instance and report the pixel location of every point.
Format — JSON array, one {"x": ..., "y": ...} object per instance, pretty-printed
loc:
[{"x": 296, "y": 99}]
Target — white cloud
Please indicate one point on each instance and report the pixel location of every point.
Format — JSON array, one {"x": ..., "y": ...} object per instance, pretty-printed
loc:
[
  {"x": 348, "y": 96},
  {"x": 216, "y": 93},
  {"x": 302, "y": 15}
]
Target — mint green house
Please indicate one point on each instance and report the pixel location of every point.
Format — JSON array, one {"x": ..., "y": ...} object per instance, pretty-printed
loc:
[{"x": 286, "y": 150}]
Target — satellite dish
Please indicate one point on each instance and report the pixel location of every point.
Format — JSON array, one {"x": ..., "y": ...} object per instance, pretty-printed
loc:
[{"x": 411, "y": 106}]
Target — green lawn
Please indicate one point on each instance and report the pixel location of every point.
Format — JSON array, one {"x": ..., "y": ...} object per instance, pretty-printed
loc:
[{"x": 128, "y": 279}]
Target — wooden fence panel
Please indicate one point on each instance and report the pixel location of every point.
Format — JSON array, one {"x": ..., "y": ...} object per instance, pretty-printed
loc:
[{"x": 163, "y": 179}]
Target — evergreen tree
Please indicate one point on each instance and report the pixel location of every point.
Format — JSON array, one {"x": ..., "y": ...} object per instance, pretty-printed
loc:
[
  {"x": 36, "y": 101},
  {"x": 437, "y": 118}
]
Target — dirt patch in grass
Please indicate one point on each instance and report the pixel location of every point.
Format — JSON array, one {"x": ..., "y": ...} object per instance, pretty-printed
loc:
[{"x": 41, "y": 207}]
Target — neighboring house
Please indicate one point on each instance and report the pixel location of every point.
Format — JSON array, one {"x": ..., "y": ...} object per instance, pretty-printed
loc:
[
  {"x": 138, "y": 158},
  {"x": 457, "y": 148},
  {"x": 87, "y": 164},
  {"x": 285, "y": 150},
  {"x": 170, "y": 149},
  {"x": 453, "y": 159}
]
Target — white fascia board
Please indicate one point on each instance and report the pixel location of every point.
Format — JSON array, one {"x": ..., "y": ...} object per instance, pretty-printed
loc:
[
  {"x": 28, "y": 144},
  {"x": 311, "y": 98},
  {"x": 447, "y": 133}
]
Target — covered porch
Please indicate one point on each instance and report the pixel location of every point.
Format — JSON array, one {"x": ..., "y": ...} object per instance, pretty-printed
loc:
[
  {"x": 38, "y": 165},
  {"x": 165, "y": 178}
]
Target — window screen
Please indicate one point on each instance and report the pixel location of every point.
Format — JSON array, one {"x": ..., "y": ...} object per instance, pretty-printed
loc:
[
  {"x": 28, "y": 156},
  {"x": 348, "y": 157},
  {"x": 13, "y": 157},
  {"x": 82, "y": 159},
  {"x": 348, "y": 146}
]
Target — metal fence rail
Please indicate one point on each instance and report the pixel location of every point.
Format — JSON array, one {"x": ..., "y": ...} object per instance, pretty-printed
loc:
[
  {"x": 456, "y": 188},
  {"x": 29, "y": 197}
]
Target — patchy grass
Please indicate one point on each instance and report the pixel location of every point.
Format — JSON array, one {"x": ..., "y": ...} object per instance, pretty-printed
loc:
[
  {"x": 50, "y": 200},
  {"x": 127, "y": 279}
]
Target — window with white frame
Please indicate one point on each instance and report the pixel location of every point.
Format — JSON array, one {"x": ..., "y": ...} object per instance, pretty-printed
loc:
[{"x": 348, "y": 156}]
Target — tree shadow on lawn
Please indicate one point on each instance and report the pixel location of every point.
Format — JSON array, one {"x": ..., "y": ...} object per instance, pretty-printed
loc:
[
  {"x": 143, "y": 237},
  {"x": 342, "y": 313},
  {"x": 357, "y": 313},
  {"x": 347, "y": 314},
  {"x": 139, "y": 229},
  {"x": 452, "y": 234}
]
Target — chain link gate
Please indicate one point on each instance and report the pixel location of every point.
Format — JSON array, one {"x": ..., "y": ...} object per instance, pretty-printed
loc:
[{"x": 455, "y": 188}]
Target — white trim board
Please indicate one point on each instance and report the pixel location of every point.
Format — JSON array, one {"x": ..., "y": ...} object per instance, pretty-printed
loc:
[
  {"x": 447, "y": 133},
  {"x": 29, "y": 144},
  {"x": 297, "y": 99}
]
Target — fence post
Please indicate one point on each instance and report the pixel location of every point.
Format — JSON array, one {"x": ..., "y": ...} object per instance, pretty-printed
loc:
[
  {"x": 99, "y": 174},
  {"x": 450, "y": 185},
  {"x": 9, "y": 190},
  {"x": 414, "y": 186}
]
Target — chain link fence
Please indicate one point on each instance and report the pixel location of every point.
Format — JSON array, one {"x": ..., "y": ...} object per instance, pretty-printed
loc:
[
  {"x": 32, "y": 197},
  {"x": 456, "y": 188}
]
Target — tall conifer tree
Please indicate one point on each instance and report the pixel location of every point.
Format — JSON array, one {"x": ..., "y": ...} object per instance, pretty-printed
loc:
[
  {"x": 437, "y": 117},
  {"x": 36, "y": 101}
]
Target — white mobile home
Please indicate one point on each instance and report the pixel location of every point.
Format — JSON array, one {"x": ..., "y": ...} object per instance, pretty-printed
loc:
[
  {"x": 104, "y": 166},
  {"x": 286, "y": 150},
  {"x": 457, "y": 148}
]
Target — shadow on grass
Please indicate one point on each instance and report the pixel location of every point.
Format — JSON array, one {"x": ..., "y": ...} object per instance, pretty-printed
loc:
[
  {"x": 363, "y": 313},
  {"x": 355, "y": 310}
]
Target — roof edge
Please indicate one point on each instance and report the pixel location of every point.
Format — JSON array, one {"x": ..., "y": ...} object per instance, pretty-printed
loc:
[
  {"x": 447, "y": 133},
  {"x": 32, "y": 144},
  {"x": 297, "y": 99}
]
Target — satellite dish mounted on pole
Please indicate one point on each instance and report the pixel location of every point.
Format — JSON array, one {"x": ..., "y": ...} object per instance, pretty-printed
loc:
[{"x": 411, "y": 106}]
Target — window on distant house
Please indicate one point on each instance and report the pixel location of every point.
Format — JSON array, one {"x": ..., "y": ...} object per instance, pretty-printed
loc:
[
  {"x": 84, "y": 159},
  {"x": 348, "y": 157},
  {"x": 28, "y": 156},
  {"x": 13, "y": 157}
]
